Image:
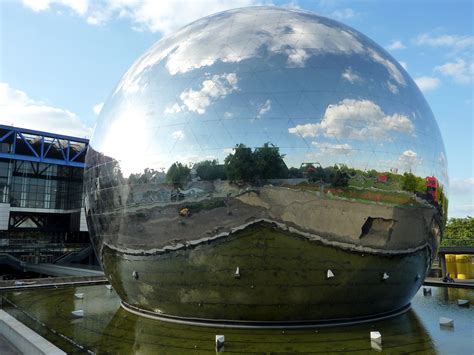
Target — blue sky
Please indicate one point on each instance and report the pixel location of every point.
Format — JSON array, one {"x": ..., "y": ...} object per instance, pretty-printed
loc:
[{"x": 59, "y": 60}]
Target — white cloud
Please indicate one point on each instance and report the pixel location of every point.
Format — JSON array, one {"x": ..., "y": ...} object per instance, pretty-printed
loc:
[
  {"x": 178, "y": 135},
  {"x": 97, "y": 108},
  {"x": 452, "y": 41},
  {"x": 395, "y": 45},
  {"x": 333, "y": 149},
  {"x": 267, "y": 106},
  {"x": 350, "y": 76},
  {"x": 409, "y": 160},
  {"x": 17, "y": 109},
  {"x": 78, "y": 6},
  {"x": 150, "y": 15},
  {"x": 212, "y": 89},
  {"x": 461, "y": 194},
  {"x": 427, "y": 83},
  {"x": 462, "y": 186},
  {"x": 356, "y": 119},
  {"x": 461, "y": 71},
  {"x": 343, "y": 14}
]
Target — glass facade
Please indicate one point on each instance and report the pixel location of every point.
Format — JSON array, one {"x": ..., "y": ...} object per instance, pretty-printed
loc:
[{"x": 38, "y": 185}]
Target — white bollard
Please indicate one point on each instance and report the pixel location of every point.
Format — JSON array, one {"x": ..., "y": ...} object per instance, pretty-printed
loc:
[
  {"x": 376, "y": 337},
  {"x": 329, "y": 274},
  {"x": 79, "y": 296},
  {"x": 219, "y": 341},
  {"x": 446, "y": 322},
  {"x": 78, "y": 313},
  {"x": 237, "y": 273},
  {"x": 463, "y": 303}
]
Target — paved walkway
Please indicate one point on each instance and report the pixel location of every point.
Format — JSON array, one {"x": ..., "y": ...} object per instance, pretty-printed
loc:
[{"x": 436, "y": 281}]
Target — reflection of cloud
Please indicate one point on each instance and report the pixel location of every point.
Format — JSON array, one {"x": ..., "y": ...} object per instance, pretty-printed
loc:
[
  {"x": 175, "y": 108},
  {"x": 293, "y": 37},
  {"x": 97, "y": 108},
  {"x": 178, "y": 135},
  {"x": 17, "y": 108},
  {"x": 393, "y": 88},
  {"x": 355, "y": 119},
  {"x": 403, "y": 64},
  {"x": 408, "y": 160},
  {"x": 297, "y": 35},
  {"x": 427, "y": 83},
  {"x": 333, "y": 149},
  {"x": 395, "y": 74},
  {"x": 396, "y": 44},
  {"x": 350, "y": 76},
  {"x": 212, "y": 89},
  {"x": 297, "y": 57},
  {"x": 267, "y": 106},
  {"x": 459, "y": 70}
]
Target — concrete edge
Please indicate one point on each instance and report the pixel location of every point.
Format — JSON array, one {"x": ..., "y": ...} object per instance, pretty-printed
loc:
[{"x": 25, "y": 339}]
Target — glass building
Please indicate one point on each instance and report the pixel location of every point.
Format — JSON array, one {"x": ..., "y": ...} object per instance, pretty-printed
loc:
[{"x": 41, "y": 194}]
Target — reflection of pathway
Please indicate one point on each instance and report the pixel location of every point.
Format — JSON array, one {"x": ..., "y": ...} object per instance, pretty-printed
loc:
[{"x": 106, "y": 328}]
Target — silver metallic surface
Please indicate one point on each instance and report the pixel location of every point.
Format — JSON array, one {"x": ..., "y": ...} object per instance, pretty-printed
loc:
[{"x": 274, "y": 126}]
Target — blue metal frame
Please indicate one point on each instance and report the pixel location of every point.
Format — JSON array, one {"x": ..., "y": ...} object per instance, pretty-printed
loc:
[{"x": 70, "y": 156}]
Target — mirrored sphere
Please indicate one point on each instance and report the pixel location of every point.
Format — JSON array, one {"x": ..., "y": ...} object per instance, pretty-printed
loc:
[{"x": 266, "y": 165}]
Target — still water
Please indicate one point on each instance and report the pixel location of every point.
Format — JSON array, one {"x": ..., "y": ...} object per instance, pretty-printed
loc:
[{"x": 108, "y": 329}]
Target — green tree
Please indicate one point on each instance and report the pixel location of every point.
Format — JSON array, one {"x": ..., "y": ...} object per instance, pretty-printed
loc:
[
  {"x": 460, "y": 228},
  {"x": 177, "y": 173},
  {"x": 210, "y": 170}
]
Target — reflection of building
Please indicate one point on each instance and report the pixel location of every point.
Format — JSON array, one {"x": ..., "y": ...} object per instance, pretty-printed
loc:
[{"x": 40, "y": 195}]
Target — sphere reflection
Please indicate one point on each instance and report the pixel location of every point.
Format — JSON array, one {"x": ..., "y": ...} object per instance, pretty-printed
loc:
[{"x": 274, "y": 142}]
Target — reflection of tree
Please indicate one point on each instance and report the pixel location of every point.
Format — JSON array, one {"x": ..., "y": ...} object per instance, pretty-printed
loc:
[
  {"x": 178, "y": 173},
  {"x": 210, "y": 170},
  {"x": 148, "y": 176},
  {"x": 269, "y": 162},
  {"x": 295, "y": 173},
  {"x": 241, "y": 164},
  {"x": 264, "y": 162},
  {"x": 337, "y": 176},
  {"x": 409, "y": 182}
]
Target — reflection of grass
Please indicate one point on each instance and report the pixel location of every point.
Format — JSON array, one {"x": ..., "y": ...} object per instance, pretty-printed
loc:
[
  {"x": 351, "y": 192},
  {"x": 390, "y": 186}
]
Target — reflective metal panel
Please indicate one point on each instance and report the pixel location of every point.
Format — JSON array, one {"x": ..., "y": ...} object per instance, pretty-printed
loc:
[{"x": 275, "y": 129}]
